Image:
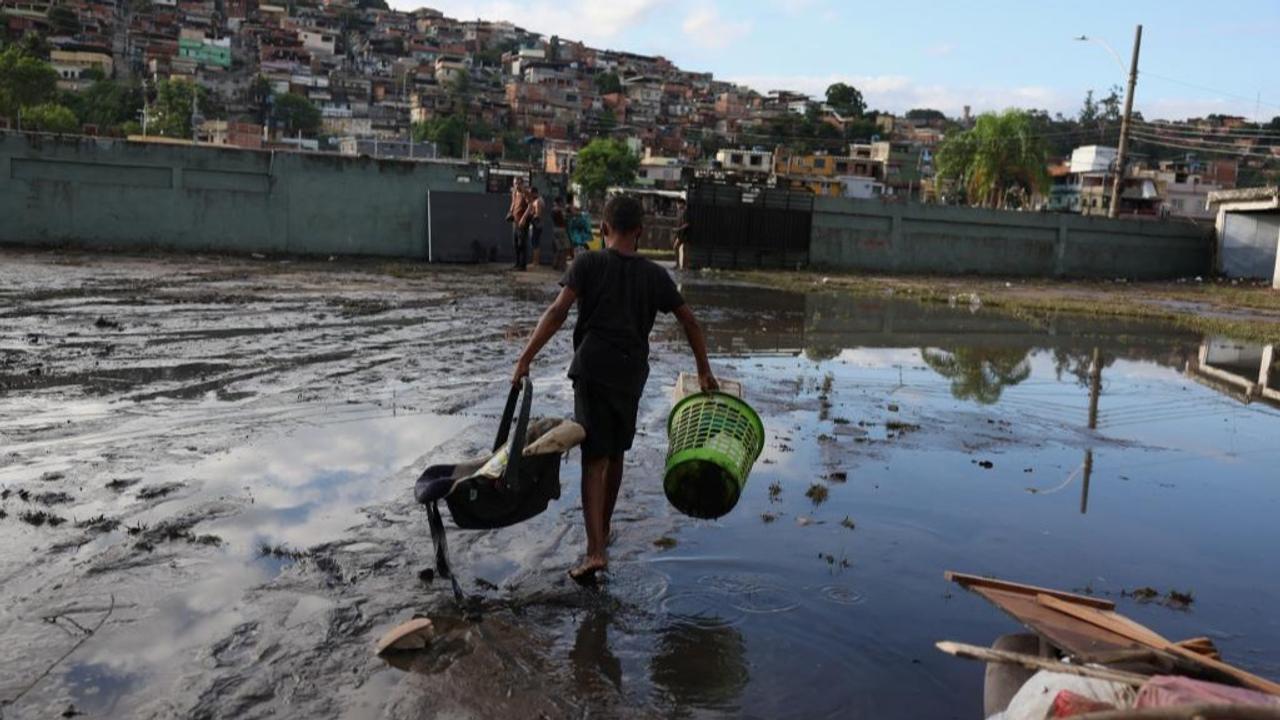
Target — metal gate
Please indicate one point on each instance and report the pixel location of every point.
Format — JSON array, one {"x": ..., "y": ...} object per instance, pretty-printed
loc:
[{"x": 734, "y": 227}]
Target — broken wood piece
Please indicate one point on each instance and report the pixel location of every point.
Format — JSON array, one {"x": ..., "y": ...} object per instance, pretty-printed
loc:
[
  {"x": 1121, "y": 625},
  {"x": 967, "y": 581},
  {"x": 415, "y": 634},
  {"x": 1188, "y": 712},
  {"x": 974, "y": 652},
  {"x": 1107, "y": 620},
  {"x": 1202, "y": 645}
]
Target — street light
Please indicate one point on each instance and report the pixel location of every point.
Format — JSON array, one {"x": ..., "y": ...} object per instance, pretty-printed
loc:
[
  {"x": 1114, "y": 55},
  {"x": 1122, "y": 151}
]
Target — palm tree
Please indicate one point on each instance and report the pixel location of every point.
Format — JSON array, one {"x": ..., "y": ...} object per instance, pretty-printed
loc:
[
  {"x": 1001, "y": 158},
  {"x": 977, "y": 373}
]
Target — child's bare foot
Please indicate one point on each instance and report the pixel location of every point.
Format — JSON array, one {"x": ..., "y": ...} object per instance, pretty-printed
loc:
[{"x": 586, "y": 571}]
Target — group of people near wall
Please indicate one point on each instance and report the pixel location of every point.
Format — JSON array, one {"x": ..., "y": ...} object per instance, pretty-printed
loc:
[{"x": 571, "y": 227}]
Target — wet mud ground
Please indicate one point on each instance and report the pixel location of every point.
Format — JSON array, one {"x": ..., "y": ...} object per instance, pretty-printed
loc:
[{"x": 206, "y": 467}]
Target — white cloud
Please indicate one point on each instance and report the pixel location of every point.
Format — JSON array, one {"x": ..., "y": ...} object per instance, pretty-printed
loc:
[
  {"x": 705, "y": 27},
  {"x": 590, "y": 21},
  {"x": 940, "y": 50},
  {"x": 898, "y": 93}
]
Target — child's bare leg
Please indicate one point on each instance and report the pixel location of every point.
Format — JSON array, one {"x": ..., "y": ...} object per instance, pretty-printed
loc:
[
  {"x": 595, "y": 504},
  {"x": 613, "y": 483}
]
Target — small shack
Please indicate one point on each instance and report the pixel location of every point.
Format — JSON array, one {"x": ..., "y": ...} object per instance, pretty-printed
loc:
[{"x": 1248, "y": 231}]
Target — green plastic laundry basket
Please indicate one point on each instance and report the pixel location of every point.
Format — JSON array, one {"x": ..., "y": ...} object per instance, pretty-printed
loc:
[{"x": 714, "y": 439}]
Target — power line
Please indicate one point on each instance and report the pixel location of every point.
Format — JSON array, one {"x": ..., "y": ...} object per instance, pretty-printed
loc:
[
  {"x": 1208, "y": 89},
  {"x": 1203, "y": 148},
  {"x": 1225, "y": 133}
]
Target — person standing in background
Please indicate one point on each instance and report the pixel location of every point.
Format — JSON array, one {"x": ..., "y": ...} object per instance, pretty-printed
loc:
[
  {"x": 579, "y": 230},
  {"x": 515, "y": 216},
  {"x": 533, "y": 223}
]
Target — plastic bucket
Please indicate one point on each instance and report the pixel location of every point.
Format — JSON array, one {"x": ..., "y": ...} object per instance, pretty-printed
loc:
[{"x": 713, "y": 440}]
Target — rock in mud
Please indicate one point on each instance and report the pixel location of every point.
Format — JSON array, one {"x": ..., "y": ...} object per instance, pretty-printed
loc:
[{"x": 415, "y": 634}]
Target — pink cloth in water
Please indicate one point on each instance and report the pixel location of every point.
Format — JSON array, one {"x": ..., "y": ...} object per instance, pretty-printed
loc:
[{"x": 1168, "y": 690}]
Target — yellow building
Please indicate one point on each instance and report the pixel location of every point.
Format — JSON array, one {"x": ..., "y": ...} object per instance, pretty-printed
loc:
[{"x": 72, "y": 64}]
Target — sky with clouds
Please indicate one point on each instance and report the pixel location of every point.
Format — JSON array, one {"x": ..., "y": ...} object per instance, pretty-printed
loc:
[{"x": 1197, "y": 57}]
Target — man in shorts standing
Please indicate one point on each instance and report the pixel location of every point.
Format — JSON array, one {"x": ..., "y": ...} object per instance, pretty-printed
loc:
[
  {"x": 515, "y": 216},
  {"x": 618, "y": 294}
]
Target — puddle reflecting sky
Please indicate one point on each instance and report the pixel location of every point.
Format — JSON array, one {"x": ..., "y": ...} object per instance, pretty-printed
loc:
[
  {"x": 1090, "y": 455},
  {"x": 1175, "y": 488}
]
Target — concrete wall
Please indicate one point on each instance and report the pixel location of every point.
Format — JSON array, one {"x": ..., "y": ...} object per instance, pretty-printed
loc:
[
  {"x": 115, "y": 194},
  {"x": 873, "y": 236}
]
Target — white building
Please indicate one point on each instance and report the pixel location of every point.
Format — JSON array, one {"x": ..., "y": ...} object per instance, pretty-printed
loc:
[
  {"x": 1248, "y": 229},
  {"x": 318, "y": 42},
  {"x": 857, "y": 186},
  {"x": 748, "y": 161},
  {"x": 1093, "y": 158}
]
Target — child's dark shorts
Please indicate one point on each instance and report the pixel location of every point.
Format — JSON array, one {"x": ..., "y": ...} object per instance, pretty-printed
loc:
[{"x": 609, "y": 417}]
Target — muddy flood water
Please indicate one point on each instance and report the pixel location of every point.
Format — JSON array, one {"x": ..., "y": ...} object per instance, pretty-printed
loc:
[{"x": 206, "y": 470}]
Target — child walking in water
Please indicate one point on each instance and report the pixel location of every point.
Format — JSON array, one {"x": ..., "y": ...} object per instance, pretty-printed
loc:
[{"x": 618, "y": 294}]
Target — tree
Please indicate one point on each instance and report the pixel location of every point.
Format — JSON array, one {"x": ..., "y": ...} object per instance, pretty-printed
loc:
[
  {"x": 977, "y": 373},
  {"x": 50, "y": 117},
  {"x": 846, "y": 100},
  {"x": 1001, "y": 158},
  {"x": 24, "y": 80},
  {"x": 106, "y": 104},
  {"x": 925, "y": 114},
  {"x": 175, "y": 101},
  {"x": 448, "y": 132},
  {"x": 295, "y": 114},
  {"x": 603, "y": 163},
  {"x": 608, "y": 83}
]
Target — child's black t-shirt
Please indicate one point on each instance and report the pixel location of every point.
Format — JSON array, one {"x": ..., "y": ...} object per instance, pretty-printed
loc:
[{"x": 618, "y": 298}]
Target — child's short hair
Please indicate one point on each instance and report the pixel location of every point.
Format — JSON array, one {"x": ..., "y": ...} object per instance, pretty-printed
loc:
[{"x": 623, "y": 213}]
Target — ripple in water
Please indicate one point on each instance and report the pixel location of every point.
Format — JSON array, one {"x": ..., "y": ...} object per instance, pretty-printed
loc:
[
  {"x": 752, "y": 593},
  {"x": 840, "y": 595},
  {"x": 702, "y": 608}
]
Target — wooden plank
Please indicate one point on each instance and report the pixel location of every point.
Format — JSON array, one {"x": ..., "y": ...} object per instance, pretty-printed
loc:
[
  {"x": 1202, "y": 645},
  {"x": 1121, "y": 625},
  {"x": 1035, "y": 662},
  {"x": 1071, "y": 634},
  {"x": 1107, "y": 620},
  {"x": 969, "y": 581}
]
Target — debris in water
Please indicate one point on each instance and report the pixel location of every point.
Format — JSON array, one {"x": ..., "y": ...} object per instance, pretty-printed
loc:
[
  {"x": 899, "y": 426},
  {"x": 768, "y": 517},
  {"x": 100, "y": 524},
  {"x": 840, "y": 421},
  {"x": 665, "y": 542},
  {"x": 122, "y": 484},
  {"x": 985, "y": 464},
  {"x": 838, "y": 476},
  {"x": 775, "y": 490},
  {"x": 1142, "y": 594},
  {"x": 817, "y": 493},
  {"x": 40, "y": 517},
  {"x": 891, "y": 407},
  {"x": 102, "y": 323},
  {"x": 51, "y": 498},
  {"x": 427, "y": 575},
  {"x": 413, "y": 635},
  {"x": 52, "y": 476},
  {"x": 485, "y": 584},
  {"x": 284, "y": 552},
  {"x": 71, "y": 712},
  {"x": 157, "y": 491},
  {"x": 1181, "y": 600},
  {"x": 846, "y": 522}
]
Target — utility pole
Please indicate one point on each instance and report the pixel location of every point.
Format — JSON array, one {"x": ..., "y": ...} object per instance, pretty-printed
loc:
[{"x": 1123, "y": 152}]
